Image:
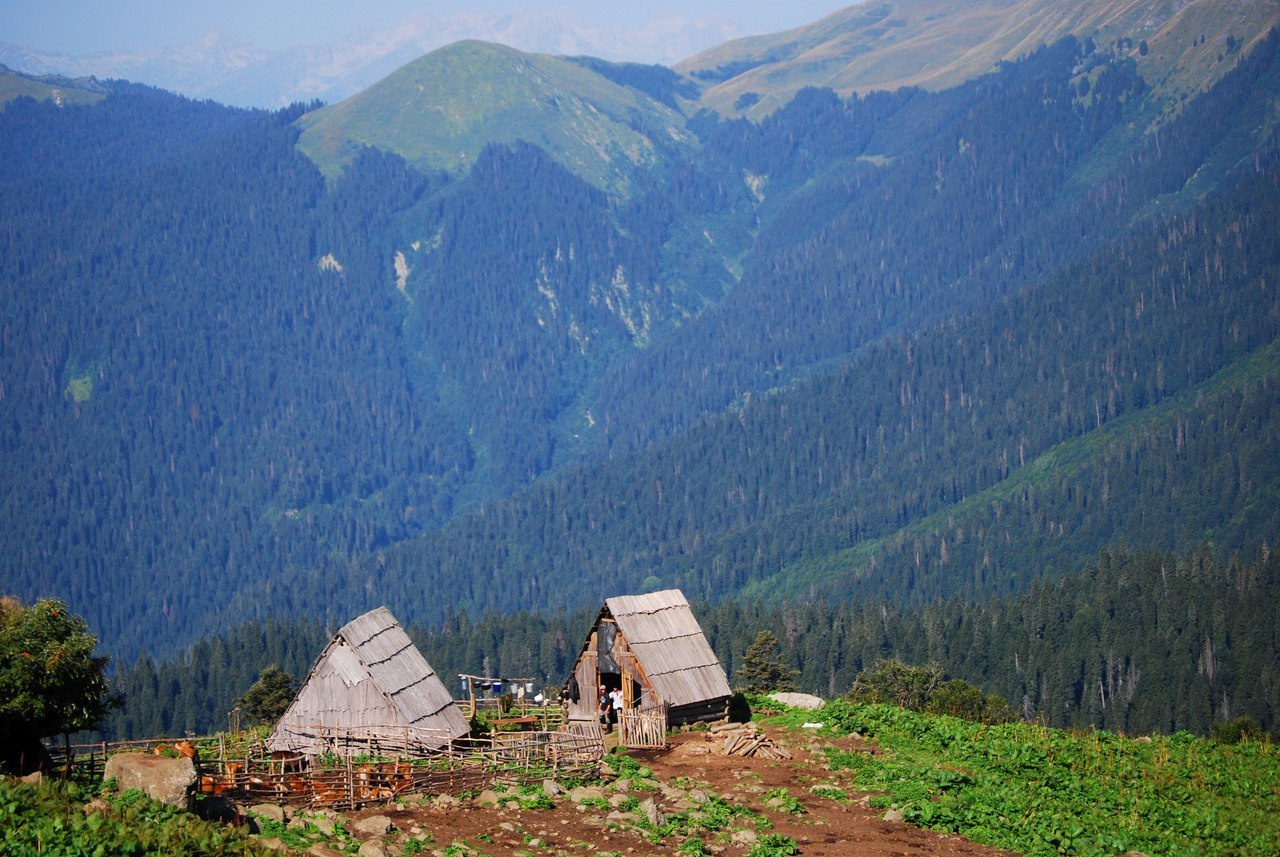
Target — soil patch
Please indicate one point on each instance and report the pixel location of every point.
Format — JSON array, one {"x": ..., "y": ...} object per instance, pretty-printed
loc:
[{"x": 799, "y": 797}]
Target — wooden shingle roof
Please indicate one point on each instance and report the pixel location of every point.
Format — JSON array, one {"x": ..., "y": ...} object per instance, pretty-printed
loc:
[
  {"x": 401, "y": 672},
  {"x": 669, "y": 644}
]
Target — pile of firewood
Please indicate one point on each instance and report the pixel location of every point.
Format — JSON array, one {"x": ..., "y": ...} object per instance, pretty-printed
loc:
[{"x": 746, "y": 739}]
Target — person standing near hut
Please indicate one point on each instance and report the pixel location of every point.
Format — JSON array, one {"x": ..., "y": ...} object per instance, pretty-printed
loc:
[
  {"x": 604, "y": 709},
  {"x": 615, "y": 700}
]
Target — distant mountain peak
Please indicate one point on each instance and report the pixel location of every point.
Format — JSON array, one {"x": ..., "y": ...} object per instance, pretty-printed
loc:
[{"x": 218, "y": 67}]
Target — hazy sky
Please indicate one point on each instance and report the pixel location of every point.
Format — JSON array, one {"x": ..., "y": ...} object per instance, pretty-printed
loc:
[{"x": 85, "y": 26}]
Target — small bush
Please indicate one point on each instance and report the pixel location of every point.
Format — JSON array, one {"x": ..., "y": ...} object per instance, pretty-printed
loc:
[{"x": 1234, "y": 731}]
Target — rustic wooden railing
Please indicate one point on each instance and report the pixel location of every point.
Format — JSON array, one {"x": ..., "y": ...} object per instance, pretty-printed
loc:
[{"x": 369, "y": 765}]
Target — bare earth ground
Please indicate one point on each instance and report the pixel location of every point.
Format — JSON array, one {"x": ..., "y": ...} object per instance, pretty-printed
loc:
[{"x": 692, "y": 763}]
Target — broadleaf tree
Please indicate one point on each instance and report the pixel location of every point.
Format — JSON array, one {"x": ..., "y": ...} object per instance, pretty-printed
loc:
[{"x": 51, "y": 679}]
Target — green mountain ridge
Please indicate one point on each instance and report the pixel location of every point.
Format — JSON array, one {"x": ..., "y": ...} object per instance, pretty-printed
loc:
[
  {"x": 58, "y": 90},
  {"x": 1070, "y": 461},
  {"x": 440, "y": 111},
  {"x": 935, "y": 44}
]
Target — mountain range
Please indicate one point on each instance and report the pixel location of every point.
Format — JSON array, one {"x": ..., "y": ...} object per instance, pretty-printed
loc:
[
  {"x": 224, "y": 69},
  {"x": 795, "y": 319}
]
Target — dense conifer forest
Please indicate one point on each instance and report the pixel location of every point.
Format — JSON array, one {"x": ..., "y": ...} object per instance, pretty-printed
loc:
[
  {"x": 986, "y": 376},
  {"x": 1138, "y": 642}
]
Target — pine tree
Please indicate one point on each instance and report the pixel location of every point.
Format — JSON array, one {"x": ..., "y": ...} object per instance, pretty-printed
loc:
[{"x": 761, "y": 672}]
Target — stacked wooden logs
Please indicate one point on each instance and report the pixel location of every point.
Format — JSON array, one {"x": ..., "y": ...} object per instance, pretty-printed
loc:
[{"x": 746, "y": 739}]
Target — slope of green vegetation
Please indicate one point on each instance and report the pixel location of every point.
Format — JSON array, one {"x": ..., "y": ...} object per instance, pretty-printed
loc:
[
  {"x": 1040, "y": 791},
  {"x": 1084, "y": 463},
  {"x": 937, "y": 44},
  {"x": 60, "y": 91},
  {"x": 440, "y": 111},
  {"x": 1016, "y": 786},
  {"x": 67, "y": 821}
]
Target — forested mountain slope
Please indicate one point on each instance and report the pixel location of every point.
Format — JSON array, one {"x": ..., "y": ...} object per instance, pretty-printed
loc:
[
  {"x": 973, "y": 458},
  {"x": 903, "y": 345}
]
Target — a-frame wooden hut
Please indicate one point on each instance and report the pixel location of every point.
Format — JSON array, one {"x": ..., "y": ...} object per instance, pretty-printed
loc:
[
  {"x": 652, "y": 649},
  {"x": 370, "y": 690}
]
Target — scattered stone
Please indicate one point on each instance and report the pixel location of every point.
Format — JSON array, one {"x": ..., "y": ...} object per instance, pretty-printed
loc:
[
  {"x": 35, "y": 778},
  {"x": 893, "y": 815},
  {"x": 551, "y": 788},
  {"x": 616, "y": 801},
  {"x": 373, "y": 848},
  {"x": 744, "y": 837},
  {"x": 622, "y": 785},
  {"x": 488, "y": 797},
  {"x": 166, "y": 780},
  {"x": 273, "y": 844},
  {"x": 649, "y": 807},
  {"x": 581, "y": 793},
  {"x": 269, "y": 811},
  {"x": 320, "y": 825},
  {"x": 445, "y": 802},
  {"x": 509, "y": 826},
  {"x": 374, "y": 825},
  {"x": 320, "y": 850}
]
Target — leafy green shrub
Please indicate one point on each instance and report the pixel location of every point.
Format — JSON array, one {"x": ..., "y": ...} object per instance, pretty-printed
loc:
[
  {"x": 534, "y": 797},
  {"x": 774, "y": 845},
  {"x": 784, "y": 801},
  {"x": 693, "y": 848},
  {"x": 829, "y": 792},
  {"x": 892, "y": 682},
  {"x": 958, "y": 698},
  {"x": 1241, "y": 729},
  {"x": 1037, "y": 791},
  {"x": 50, "y": 819}
]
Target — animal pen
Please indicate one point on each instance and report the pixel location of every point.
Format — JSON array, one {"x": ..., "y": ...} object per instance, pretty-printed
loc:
[
  {"x": 379, "y": 765},
  {"x": 373, "y": 721}
]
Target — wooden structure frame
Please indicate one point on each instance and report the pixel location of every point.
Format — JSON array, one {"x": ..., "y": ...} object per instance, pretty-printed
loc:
[
  {"x": 652, "y": 649},
  {"x": 369, "y": 679}
]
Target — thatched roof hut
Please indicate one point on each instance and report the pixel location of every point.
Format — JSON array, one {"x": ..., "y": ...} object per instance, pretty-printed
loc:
[
  {"x": 370, "y": 689},
  {"x": 652, "y": 649}
]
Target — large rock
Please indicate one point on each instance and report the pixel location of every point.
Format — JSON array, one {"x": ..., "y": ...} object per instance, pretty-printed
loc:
[
  {"x": 374, "y": 825},
  {"x": 166, "y": 780},
  {"x": 799, "y": 700}
]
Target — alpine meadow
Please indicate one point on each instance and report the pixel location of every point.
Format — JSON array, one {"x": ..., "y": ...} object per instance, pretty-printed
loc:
[{"x": 932, "y": 332}]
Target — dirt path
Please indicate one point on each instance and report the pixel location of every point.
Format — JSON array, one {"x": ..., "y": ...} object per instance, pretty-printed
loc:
[{"x": 835, "y": 819}]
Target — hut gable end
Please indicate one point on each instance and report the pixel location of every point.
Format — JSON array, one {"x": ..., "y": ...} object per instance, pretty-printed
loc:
[
  {"x": 369, "y": 680},
  {"x": 671, "y": 656}
]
